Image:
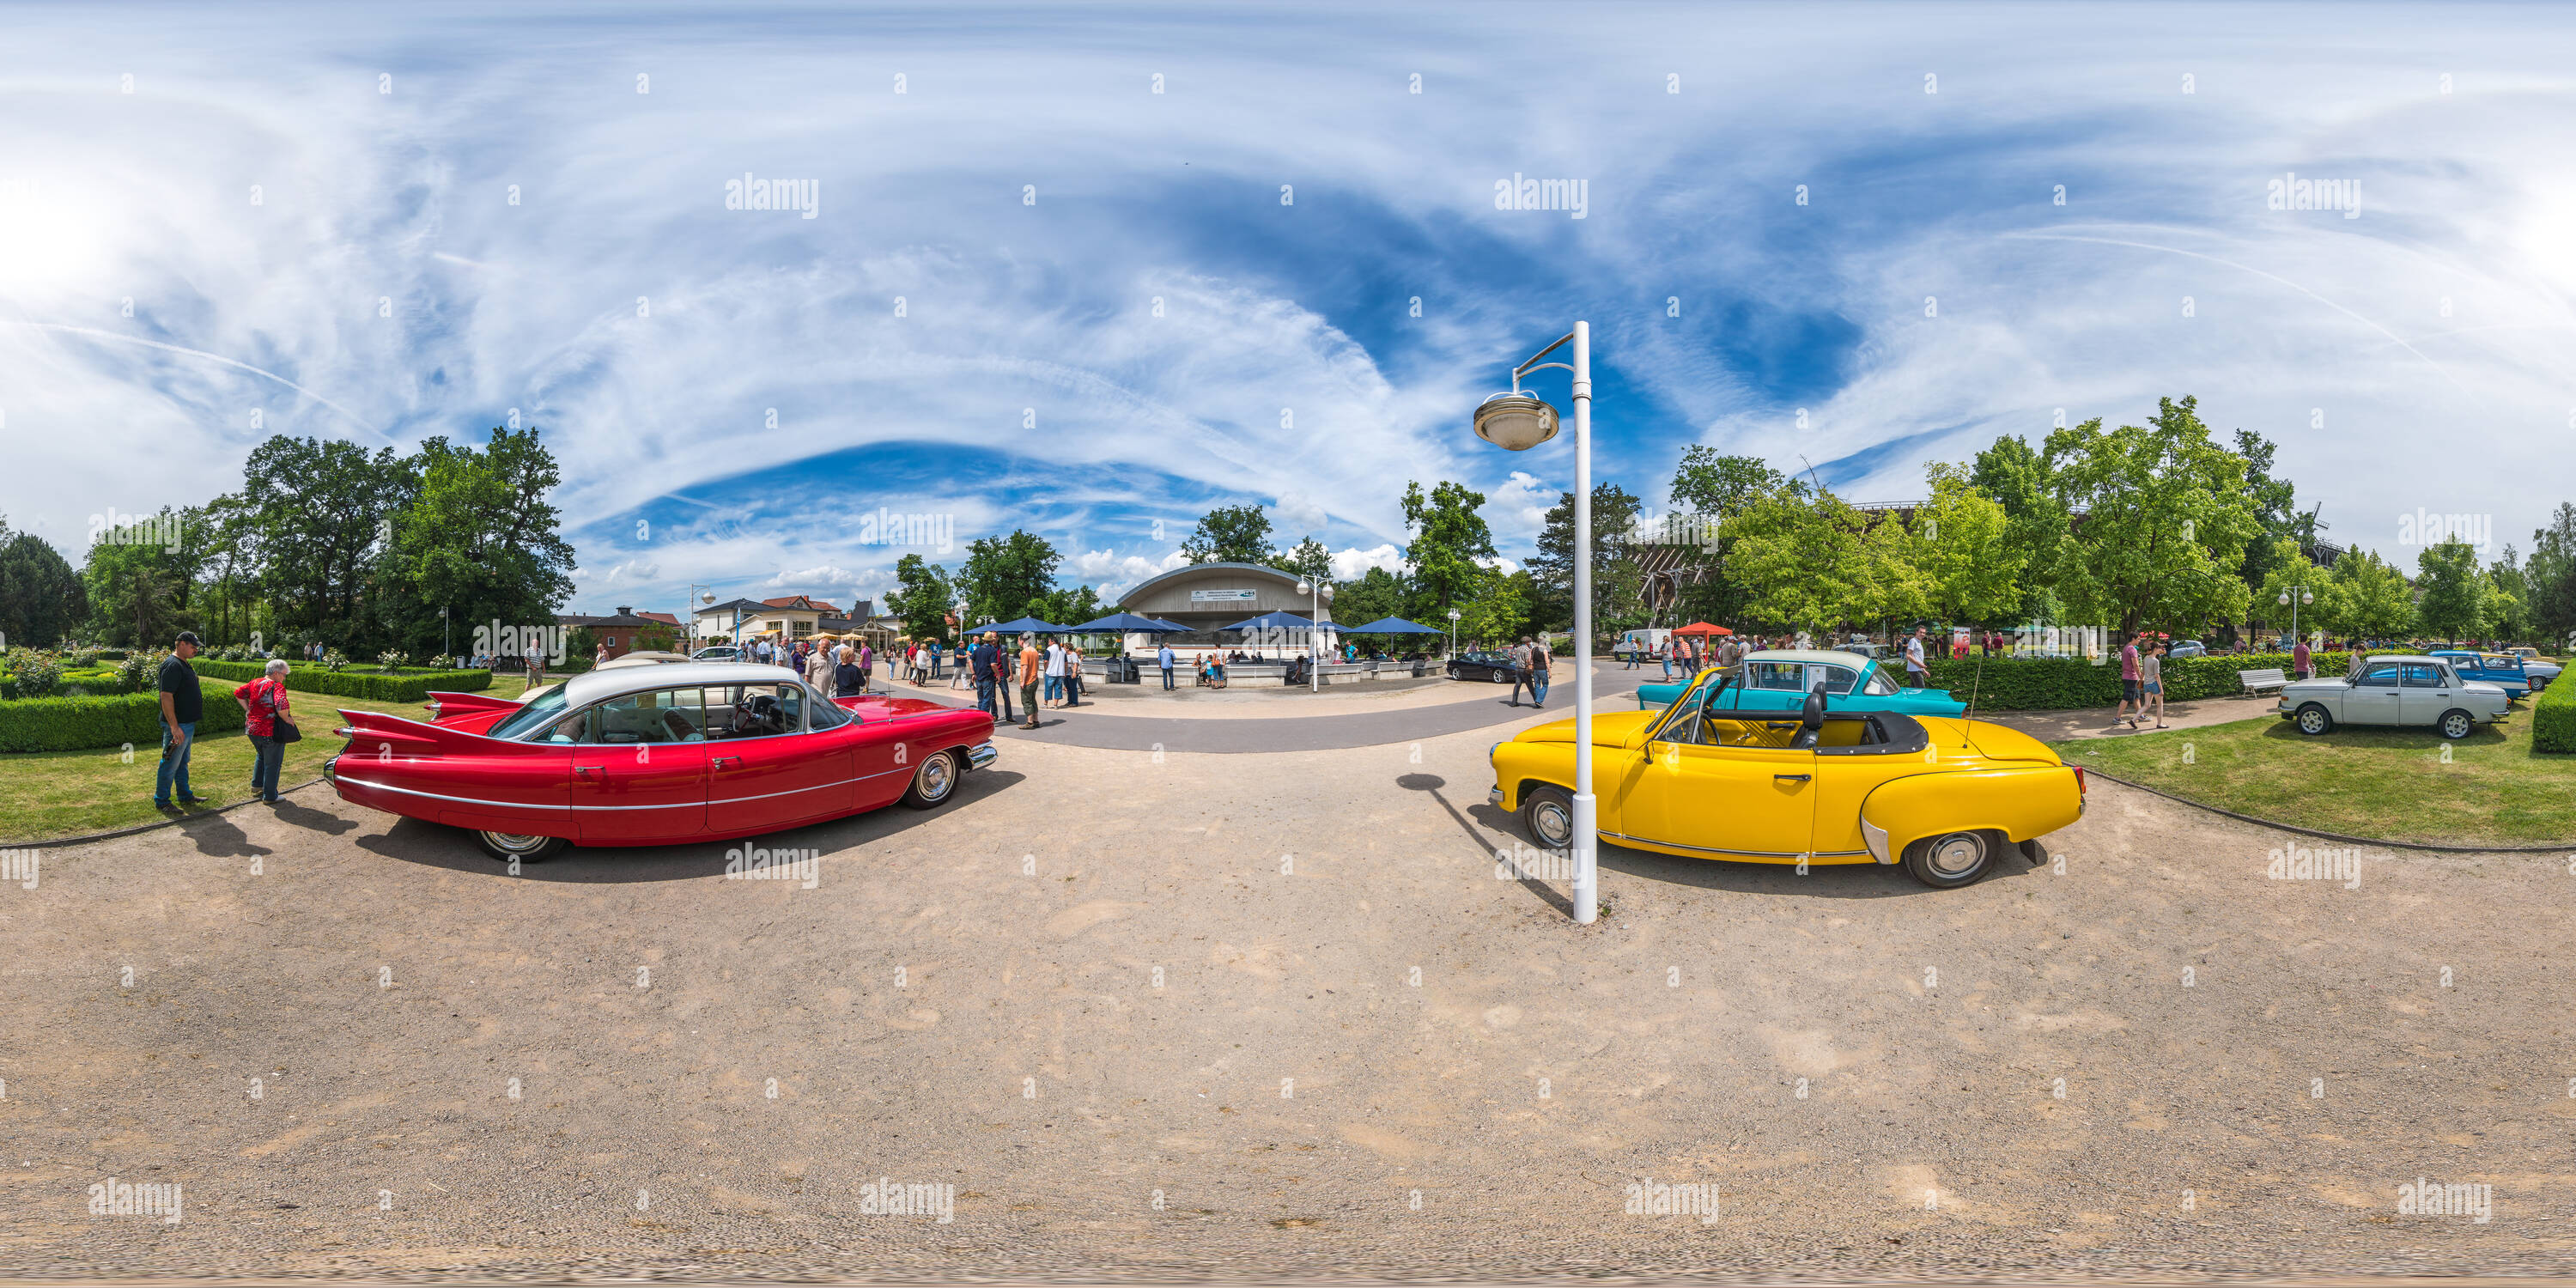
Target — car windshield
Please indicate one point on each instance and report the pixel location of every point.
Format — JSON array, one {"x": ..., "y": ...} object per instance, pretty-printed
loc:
[
  {"x": 534, "y": 713},
  {"x": 1881, "y": 684}
]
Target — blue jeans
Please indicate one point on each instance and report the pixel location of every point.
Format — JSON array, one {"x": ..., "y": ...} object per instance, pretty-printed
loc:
[
  {"x": 984, "y": 697},
  {"x": 1054, "y": 687},
  {"x": 1538, "y": 688},
  {"x": 174, "y": 767},
  {"x": 268, "y": 756},
  {"x": 1167, "y": 677}
]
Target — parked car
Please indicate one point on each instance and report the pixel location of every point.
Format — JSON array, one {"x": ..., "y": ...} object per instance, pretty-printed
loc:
[
  {"x": 717, "y": 653},
  {"x": 2540, "y": 669},
  {"x": 2397, "y": 690},
  {"x": 2187, "y": 648},
  {"x": 655, "y": 755},
  {"x": 1496, "y": 667},
  {"x": 1945, "y": 797},
  {"x": 2503, "y": 670},
  {"x": 640, "y": 657},
  {"x": 1781, "y": 679}
]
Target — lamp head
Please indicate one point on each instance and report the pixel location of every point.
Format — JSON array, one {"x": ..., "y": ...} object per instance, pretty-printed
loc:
[
  {"x": 1515, "y": 422},
  {"x": 1304, "y": 586},
  {"x": 2307, "y": 597},
  {"x": 2285, "y": 598}
]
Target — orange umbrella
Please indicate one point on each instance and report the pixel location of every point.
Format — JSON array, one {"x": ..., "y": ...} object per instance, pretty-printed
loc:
[{"x": 1702, "y": 628}]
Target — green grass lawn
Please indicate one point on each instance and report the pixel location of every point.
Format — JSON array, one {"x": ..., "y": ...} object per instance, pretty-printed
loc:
[
  {"x": 45, "y": 795},
  {"x": 2375, "y": 782}
]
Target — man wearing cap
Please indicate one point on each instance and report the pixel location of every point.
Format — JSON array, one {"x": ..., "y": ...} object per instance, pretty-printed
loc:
[{"x": 182, "y": 705}]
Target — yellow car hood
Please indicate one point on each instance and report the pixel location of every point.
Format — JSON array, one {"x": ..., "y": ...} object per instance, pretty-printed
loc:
[{"x": 1609, "y": 728}]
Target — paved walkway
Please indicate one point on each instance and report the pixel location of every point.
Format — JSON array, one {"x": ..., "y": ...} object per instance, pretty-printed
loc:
[
  {"x": 2095, "y": 722},
  {"x": 1090, "y": 726}
]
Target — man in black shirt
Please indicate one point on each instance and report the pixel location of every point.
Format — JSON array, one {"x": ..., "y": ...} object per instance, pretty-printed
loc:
[{"x": 182, "y": 705}]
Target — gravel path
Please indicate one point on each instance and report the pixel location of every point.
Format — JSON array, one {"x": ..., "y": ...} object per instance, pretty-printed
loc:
[{"x": 1161, "y": 1018}]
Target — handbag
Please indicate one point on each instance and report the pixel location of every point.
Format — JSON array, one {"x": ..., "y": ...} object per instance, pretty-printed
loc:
[{"x": 281, "y": 730}]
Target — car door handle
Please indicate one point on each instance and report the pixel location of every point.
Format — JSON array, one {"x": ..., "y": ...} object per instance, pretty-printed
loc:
[
  {"x": 583, "y": 769},
  {"x": 720, "y": 762},
  {"x": 1790, "y": 778}
]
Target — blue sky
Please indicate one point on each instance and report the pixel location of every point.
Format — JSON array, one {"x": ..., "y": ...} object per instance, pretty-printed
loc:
[{"x": 1029, "y": 198}]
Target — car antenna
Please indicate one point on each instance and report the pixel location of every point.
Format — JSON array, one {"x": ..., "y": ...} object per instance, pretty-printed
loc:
[{"x": 1975, "y": 682}]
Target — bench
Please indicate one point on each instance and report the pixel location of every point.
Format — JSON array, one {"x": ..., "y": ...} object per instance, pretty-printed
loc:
[{"x": 2257, "y": 681}]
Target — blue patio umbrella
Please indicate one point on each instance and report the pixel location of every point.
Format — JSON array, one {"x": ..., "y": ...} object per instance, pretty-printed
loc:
[
  {"x": 1130, "y": 622},
  {"x": 1270, "y": 622},
  {"x": 1392, "y": 626},
  {"x": 1021, "y": 626}
]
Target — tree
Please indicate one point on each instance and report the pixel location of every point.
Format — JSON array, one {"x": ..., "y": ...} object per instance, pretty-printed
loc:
[
  {"x": 2020, "y": 481},
  {"x": 1310, "y": 560},
  {"x": 2370, "y": 599},
  {"x": 1615, "y": 578},
  {"x": 138, "y": 579},
  {"x": 321, "y": 508},
  {"x": 41, "y": 599},
  {"x": 1970, "y": 562},
  {"x": 1450, "y": 546},
  {"x": 922, "y": 598},
  {"x": 1802, "y": 557},
  {"x": 2451, "y": 591},
  {"x": 1003, "y": 575},
  {"x": 1896, "y": 583},
  {"x": 1709, "y": 488},
  {"x": 1066, "y": 607},
  {"x": 1229, "y": 534},
  {"x": 2166, "y": 520},
  {"x": 2288, "y": 572},
  {"x": 476, "y": 536},
  {"x": 2549, "y": 576},
  {"x": 2509, "y": 611},
  {"x": 1372, "y": 595},
  {"x": 2276, "y": 509},
  {"x": 1498, "y": 610}
]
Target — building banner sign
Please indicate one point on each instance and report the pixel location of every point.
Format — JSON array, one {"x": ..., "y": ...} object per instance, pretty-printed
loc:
[{"x": 1221, "y": 596}]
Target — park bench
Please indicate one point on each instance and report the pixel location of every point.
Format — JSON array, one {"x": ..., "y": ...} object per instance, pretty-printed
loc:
[{"x": 2257, "y": 681}]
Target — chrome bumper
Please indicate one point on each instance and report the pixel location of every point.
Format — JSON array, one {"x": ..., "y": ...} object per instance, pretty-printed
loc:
[
  {"x": 1494, "y": 797},
  {"x": 981, "y": 755},
  {"x": 330, "y": 770}
]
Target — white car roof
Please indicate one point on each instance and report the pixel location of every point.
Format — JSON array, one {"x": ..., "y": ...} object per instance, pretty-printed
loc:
[
  {"x": 1835, "y": 657},
  {"x": 597, "y": 686}
]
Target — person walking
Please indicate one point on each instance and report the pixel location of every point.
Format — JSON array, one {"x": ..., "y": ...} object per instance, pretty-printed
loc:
[
  {"x": 993, "y": 678},
  {"x": 2151, "y": 678},
  {"x": 2132, "y": 690},
  {"x": 263, "y": 703},
  {"x": 1054, "y": 674},
  {"x": 867, "y": 665},
  {"x": 1518, "y": 659},
  {"x": 536, "y": 660},
  {"x": 2299, "y": 659},
  {"x": 1164, "y": 659},
  {"x": 1072, "y": 674},
  {"x": 1917, "y": 674},
  {"x": 183, "y": 704},
  {"x": 1542, "y": 663},
  {"x": 1031, "y": 663}
]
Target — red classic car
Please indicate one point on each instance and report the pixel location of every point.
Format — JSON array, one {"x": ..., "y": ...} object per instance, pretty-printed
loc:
[{"x": 654, "y": 755}]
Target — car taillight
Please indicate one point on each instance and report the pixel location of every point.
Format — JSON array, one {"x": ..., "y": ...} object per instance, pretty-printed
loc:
[
  {"x": 2079, "y": 778},
  {"x": 433, "y": 709}
]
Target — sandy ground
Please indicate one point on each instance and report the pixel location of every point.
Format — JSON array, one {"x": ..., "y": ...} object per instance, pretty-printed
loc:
[
  {"x": 1163, "y": 1017},
  {"x": 1262, "y": 699}
]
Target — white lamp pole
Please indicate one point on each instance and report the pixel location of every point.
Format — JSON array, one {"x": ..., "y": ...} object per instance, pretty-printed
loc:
[
  {"x": 1314, "y": 630},
  {"x": 1517, "y": 422},
  {"x": 1453, "y": 633}
]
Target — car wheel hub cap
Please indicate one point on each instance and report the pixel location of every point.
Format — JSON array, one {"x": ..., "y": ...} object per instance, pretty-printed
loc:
[
  {"x": 1553, "y": 825},
  {"x": 934, "y": 778},
  {"x": 508, "y": 841},
  {"x": 1958, "y": 854}
]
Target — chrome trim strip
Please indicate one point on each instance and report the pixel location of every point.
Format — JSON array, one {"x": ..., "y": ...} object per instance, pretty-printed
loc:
[
  {"x": 1876, "y": 838},
  {"x": 981, "y": 755},
  {"x": 730, "y": 800},
  {"x": 1767, "y": 854}
]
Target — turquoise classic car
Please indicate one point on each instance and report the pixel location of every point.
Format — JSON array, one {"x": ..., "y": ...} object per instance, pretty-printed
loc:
[
  {"x": 2500, "y": 669},
  {"x": 1780, "y": 679}
]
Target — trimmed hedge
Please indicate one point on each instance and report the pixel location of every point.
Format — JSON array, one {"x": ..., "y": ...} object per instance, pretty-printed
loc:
[
  {"x": 375, "y": 686},
  {"x": 2553, "y": 717},
  {"x": 80, "y": 724},
  {"x": 2068, "y": 684}
]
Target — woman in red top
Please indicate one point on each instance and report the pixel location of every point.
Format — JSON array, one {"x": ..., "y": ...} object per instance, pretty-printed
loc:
[{"x": 264, "y": 700}]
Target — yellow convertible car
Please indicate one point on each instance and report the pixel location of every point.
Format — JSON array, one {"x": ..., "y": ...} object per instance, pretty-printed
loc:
[{"x": 1944, "y": 796}]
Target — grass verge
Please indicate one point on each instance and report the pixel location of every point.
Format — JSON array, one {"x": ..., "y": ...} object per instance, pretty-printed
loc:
[
  {"x": 45, "y": 795},
  {"x": 2377, "y": 782}
]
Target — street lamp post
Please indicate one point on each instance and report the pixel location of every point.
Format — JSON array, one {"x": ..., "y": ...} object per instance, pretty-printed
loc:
[
  {"x": 699, "y": 596},
  {"x": 1517, "y": 422},
  {"x": 2305, "y": 596},
  {"x": 1314, "y": 639},
  {"x": 446, "y": 636},
  {"x": 1453, "y": 633}
]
